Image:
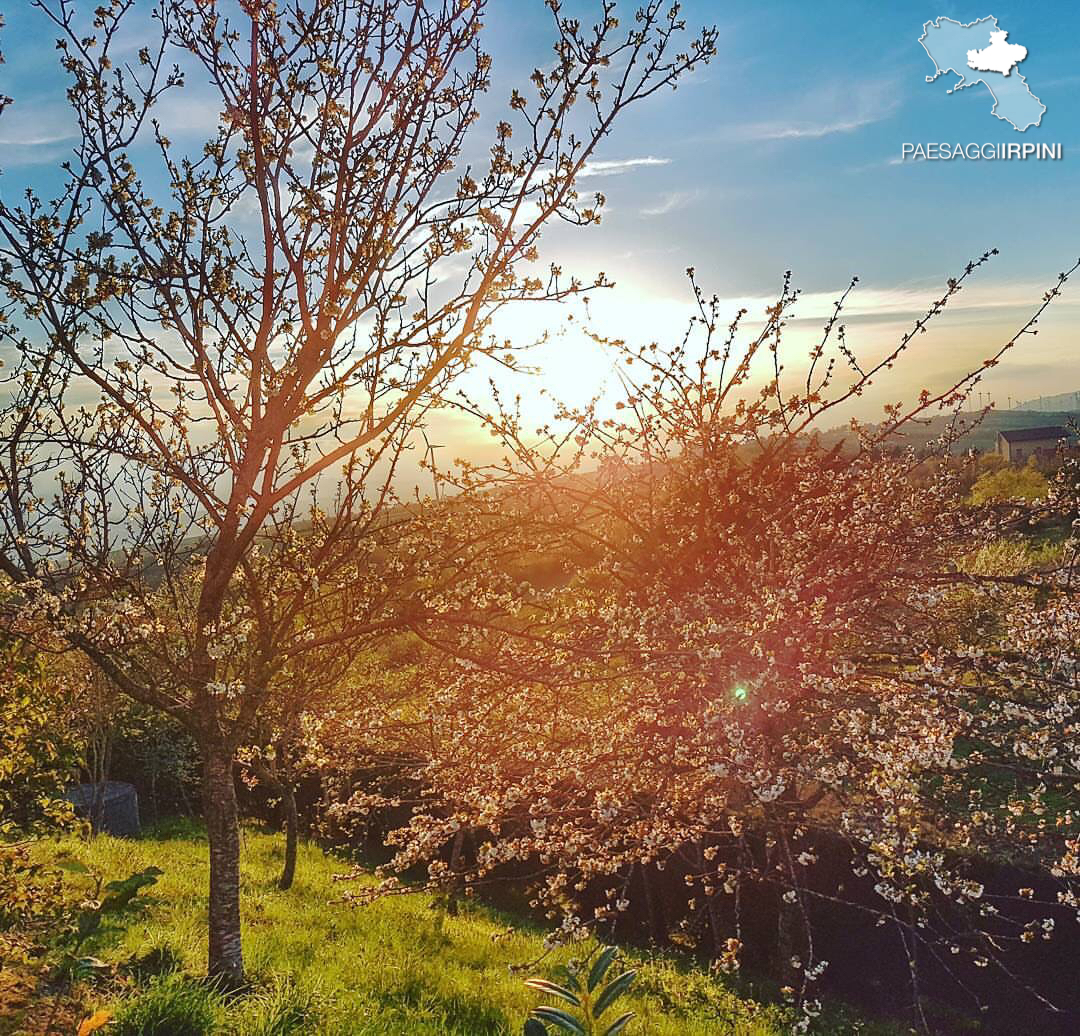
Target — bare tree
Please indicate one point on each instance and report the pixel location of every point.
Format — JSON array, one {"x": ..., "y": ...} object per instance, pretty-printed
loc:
[{"x": 208, "y": 342}]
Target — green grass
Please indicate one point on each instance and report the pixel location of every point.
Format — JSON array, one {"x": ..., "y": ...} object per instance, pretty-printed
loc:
[
  {"x": 171, "y": 1007},
  {"x": 319, "y": 965}
]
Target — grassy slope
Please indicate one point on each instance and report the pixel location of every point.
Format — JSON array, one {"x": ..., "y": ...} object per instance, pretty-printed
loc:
[{"x": 395, "y": 967}]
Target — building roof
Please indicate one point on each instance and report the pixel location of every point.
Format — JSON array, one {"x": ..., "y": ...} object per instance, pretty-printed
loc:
[{"x": 1054, "y": 432}]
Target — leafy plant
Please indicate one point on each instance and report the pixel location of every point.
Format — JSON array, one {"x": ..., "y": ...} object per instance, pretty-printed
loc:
[
  {"x": 32, "y": 903},
  {"x": 589, "y": 999},
  {"x": 118, "y": 895},
  {"x": 39, "y": 755},
  {"x": 85, "y": 922}
]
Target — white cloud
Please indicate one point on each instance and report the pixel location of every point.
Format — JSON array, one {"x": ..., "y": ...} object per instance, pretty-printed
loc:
[
  {"x": 35, "y": 130},
  {"x": 615, "y": 167},
  {"x": 32, "y": 141},
  {"x": 909, "y": 300},
  {"x": 189, "y": 111},
  {"x": 883, "y": 163},
  {"x": 832, "y": 107},
  {"x": 670, "y": 202},
  {"x": 806, "y": 130}
]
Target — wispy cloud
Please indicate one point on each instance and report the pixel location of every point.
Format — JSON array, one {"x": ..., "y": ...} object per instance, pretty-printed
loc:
[
  {"x": 669, "y": 202},
  {"x": 639, "y": 315},
  {"x": 832, "y": 108},
  {"x": 883, "y": 163},
  {"x": 42, "y": 141},
  {"x": 23, "y": 156},
  {"x": 806, "y": 130},
  {"x": 191, "y": 111},
  {"x": 1060, "y": 81},
  {"x": 35, "y": 131},
  {"x": 615, "y": 167}
]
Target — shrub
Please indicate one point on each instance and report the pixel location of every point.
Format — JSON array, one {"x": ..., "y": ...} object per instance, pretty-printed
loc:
[
  {"x": 39, "y": 755},
  {"x": 1027, "y": 483},
  {"x": 32, "y": 903}
]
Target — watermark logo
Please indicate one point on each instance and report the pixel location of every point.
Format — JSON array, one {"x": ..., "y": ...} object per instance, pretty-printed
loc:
[{"x": 980, "y": 54}]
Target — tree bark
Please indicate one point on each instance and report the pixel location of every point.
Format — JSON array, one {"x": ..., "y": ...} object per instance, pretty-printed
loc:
[
  {"x": 657, "y": 931},
  {"x": 226, "y": 960},
  {"x": 456, "y": 886},
  {"x": 715, "y": 928},
  {"x": 288, "y": 804}
]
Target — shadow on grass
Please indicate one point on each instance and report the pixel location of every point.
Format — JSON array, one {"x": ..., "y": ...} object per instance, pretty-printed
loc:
[
  {"x": 458, "y": 1014},
  {"x": 173, "y": 829}
]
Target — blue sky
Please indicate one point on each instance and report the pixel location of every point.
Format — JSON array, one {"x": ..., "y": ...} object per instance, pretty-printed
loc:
[
  {"x": 782, "y": 154},
  {"x": 779, "y": 152}
]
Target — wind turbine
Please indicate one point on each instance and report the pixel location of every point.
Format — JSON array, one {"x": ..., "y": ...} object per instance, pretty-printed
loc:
[{"x": 429, "y": 457}]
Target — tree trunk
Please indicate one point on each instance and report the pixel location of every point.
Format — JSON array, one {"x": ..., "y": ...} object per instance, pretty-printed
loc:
[
  {"x": 456, "y": 887},
  {"x": 288, "y": 803},
  {"x": 226, "y": 959},
  {"x": 715, "y": 928},
  {"x": 99, "y": 762},
  {"x": 657, "y": 928},
  {"x": 789, "y": 945}
]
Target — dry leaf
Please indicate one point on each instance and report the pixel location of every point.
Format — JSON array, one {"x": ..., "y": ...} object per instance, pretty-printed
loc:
[{"x": 96, "y": 1021}]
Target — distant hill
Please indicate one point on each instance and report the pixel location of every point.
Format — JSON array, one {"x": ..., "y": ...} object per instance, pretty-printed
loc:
[
  {"x": 983, "y": 437},
  {"x": 1068, "y": 401}
]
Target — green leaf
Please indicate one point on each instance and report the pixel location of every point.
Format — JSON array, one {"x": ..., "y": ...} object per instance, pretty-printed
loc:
[
  {"x": 599, "y": 969},
  {"x": 73, "y": 866},
  {"x": 123, "y": 892},
  {"x": 534, "y": 1027},
  {"x": 559, "y": 1018},
  {"x": 89, "y": 921},
  {"x": 136, "y": 881},
  {"x": 86, "y": 965},
  {"x": 612, "y": 991},
  {"x": 542, "y": 985},
  {"x": 572, "y": 982},
  {"x": 118, "y": 899},
  {"x": 619, "y": 1024}
]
